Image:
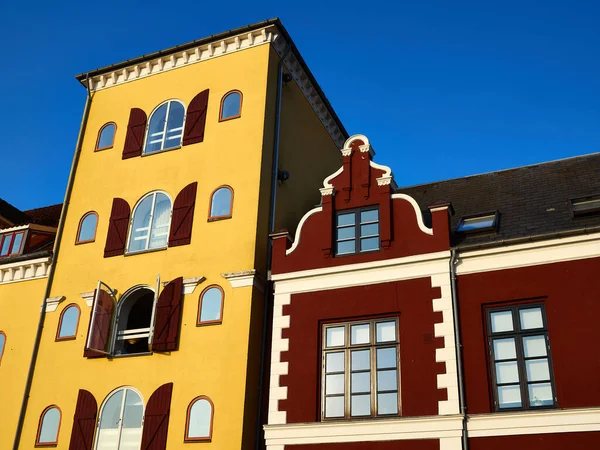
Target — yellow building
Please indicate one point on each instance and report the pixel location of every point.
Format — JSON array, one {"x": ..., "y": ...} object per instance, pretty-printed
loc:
[
  {"x": 186, "y": 160},
  {"x": 26, "y": 239}
]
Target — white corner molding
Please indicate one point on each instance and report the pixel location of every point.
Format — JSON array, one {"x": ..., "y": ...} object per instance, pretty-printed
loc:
[
  {"x": 53, "y": 302},
  {"x": 245, "y": 278},
  {"x": 418, "y": 212},
  {"x": 534, "y": 422},
  {"x": 299, "y": 228},
  {"x": 189, "y": 284},
  {"x": 278, "y": 368},
  {"x": 24, "y": 270},
  {"x": 327, "y": 181},
  {"x": 88, "y": 297}
]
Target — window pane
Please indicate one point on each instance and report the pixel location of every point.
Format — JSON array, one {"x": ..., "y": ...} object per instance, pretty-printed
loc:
[
  {"x": 369, "y": 244},
  {"x": 134, "y": 410},
  {"x": 360, "y": 334},
  {"x": 345, "y": 219},
  {"x": 531, "y": 318},
  {"x": 476, "y": 223},
  {"x": 334, "y": 362},
  {"x": 346, "y": 247},
  {"x": 111, "y": 413},
  {"x": 387, "y": 403},
  {"x": 334, "y": 384},
  {"x": 160, "y": 221},
  {"x": 2, "y": 341},
  {"x": 386, "y": 358},
  {"x": 501, "y": 321},
  {"x": 88, "y": 228},
  {"x": 386, "y": 331},
  {"x": 360, "y": 405},
  {"x": 16, "y": 245},
  {"x": 360, "y": 359},
  {"x": 540, "y": 394},
  {"x": 107, "y": 136},
  {"x": 174, "y": 125},
  {"x": 6, "y": 244},
  {"x": 504, "y": 349},
  {"x": 231, "y": 105},
  {"x": 156, "y": 135},
  {"x": 537, "y": 370},
  {"x": 140, "y": 227},
  {"x": 346, "y": 233},
  {"x": 211, "y": 305},
  {"x": 387, "y": 380},
  {"x": 50, "y": 423},
  {"x": 509, "y": 397},
  {"x": 221, "y": 203},
  {"x": 334, "y": 407},
  {"x": 335, "y": 336},
  {"x": 507, "y": 372},
  {"x": 360, "y": 382},
  {"x": 371, "y": 229},
  {"x": 369, "y": 216},
  {"x": 199, "y": 421},
  {"x": 68, "y": 325},
  {"x": 534, "y": 346}
]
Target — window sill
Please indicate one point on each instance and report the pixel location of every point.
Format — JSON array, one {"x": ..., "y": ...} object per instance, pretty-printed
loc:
[
  {"x": 103, "y": 148},
  {"x": 366, "y": 252},
  {"x": 89, "y": 241},
  {"x": 226, "y": 119},
  {"x": 66, "y": 338},
  {"x": 151, "y": 250},
  {"x": 164, "y": 150},
  {"x": 196, "y": 440},
  {"x": 131, "y": 355},
  {"x": 208, "y": 323},
  {"x": 217, "y": 218}
]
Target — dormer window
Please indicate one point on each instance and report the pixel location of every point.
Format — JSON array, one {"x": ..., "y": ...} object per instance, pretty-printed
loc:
[
  {"x": 11, "y": 243},
  {"x": 357, "y": 231},
  {"x": 478, "y": 223},
  {"x": 585, "y": 206}
]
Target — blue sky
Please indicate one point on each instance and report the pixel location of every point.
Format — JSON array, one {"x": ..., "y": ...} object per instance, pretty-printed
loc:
[{"x": 442, "y": 89}]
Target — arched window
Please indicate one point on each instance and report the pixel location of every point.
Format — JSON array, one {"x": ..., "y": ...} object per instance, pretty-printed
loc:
[
  {"x": 2, "y": 344},
  {"x": 134, "y": 321},
  {"x": 221, "y": 203},
  {"x": 231, "y": 106},
  {"x": 199, "y": 422},
  {"x": 48, "y": 427},
  {"x": 165, "y": 128},
  {"x": 150, "y": 224},
  {"x": 69, "y": 320},
  {"x": 210, "y": 306},
  {"x": 106, "y": 136},
  {"x": 120, "y": 425},
  {"x": 87, "y": 228}
]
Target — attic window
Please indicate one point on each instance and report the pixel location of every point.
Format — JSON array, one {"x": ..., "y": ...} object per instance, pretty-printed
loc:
[
  {"x": 11, "y": 243},
  {"x": 486, "y": 222},
  {"x": 585, "y": 206}
]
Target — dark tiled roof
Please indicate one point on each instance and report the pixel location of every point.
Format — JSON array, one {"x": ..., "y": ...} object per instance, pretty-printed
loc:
[
  {"x": 531, "y": 200},
  {"x": 47, "y": 215},
  {"x": 12, "y": 214}
]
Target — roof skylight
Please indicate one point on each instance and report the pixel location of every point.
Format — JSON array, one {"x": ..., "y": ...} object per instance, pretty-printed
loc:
[
  {"x": 585, "y": 206},
  {"x": 485, "y": 222}
]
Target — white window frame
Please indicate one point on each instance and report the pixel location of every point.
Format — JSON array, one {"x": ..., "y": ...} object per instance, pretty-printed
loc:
[
  {"x": 163, "y": 134},
  {"x": 148, "y": 229},
  {"x": 120, "y": 427},
  {"x": 347, "y": 348}
]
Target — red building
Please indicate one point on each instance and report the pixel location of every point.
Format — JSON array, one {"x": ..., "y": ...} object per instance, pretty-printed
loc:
[{"x": 450, "y": 315}]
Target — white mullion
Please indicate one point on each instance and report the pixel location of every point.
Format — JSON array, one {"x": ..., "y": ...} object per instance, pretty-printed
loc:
[
  {"x": 120, "y": 429},
  {"x": 164, "y": 137},
  {"x": 150, "y": 221}
]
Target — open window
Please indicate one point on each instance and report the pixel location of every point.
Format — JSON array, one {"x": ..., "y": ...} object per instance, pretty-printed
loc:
[
  {"x": 141, "y": 322},
  {"x": 586, "y": 206}
]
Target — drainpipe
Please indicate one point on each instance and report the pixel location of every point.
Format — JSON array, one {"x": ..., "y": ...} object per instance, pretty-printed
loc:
[
  {"x": 459, "y": 365},
  {"x": 268, "y": 287},
  {"x": 57, "y": 242}
]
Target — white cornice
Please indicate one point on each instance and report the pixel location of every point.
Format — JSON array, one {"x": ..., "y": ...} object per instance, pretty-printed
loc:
[
  {"x": 53, "y": 302},
  {"x": 245, "y": 278},
  {"x": 189, "y": 284},
  {"x": 531, "y": 254},
  {"x": 267, "y": 35},
  {"x": 25, "y": 270},
  {"x": 88, "y": 297}
]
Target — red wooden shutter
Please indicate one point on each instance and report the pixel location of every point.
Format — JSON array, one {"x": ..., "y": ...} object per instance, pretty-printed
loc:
[
  {"x": 156, "y": 419},
  {"x": 195, "y": 120},
  {"x": 117, "y": 228},
  {"x": 102, "y": 315},
  {"x": 168, "y": 317},
  {"x": 84, "y": 422},
  {"x": 183, "y": 216},
  {"x": 136, "y": 128}
]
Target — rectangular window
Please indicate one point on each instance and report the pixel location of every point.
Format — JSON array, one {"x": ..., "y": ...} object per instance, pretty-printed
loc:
[
  {"x": 360, "y": 376},
  {"x": 357, "y": 231},
  {"x": 520, "y": 358},
  {"x": 11, "y": 243},
  {"x": 585, "y": 206},
  {"x": 483, "y": 222}
]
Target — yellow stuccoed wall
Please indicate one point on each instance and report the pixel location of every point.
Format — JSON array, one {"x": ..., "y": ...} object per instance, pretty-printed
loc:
[
  {"x": 20, "y": 304},
  {"x": 211, "y": 360}
]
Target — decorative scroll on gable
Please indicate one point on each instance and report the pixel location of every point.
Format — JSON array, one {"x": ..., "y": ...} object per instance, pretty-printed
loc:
[{"x": 362, "y": 183}]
